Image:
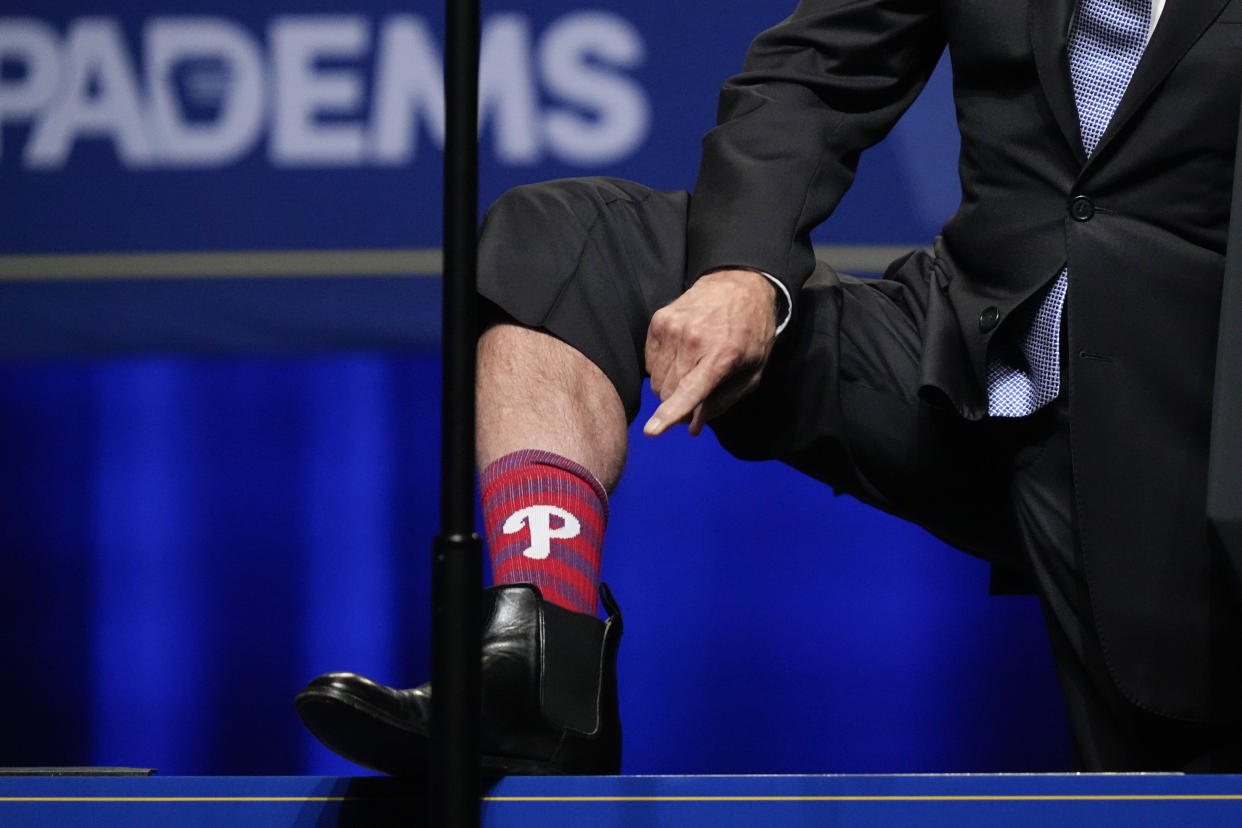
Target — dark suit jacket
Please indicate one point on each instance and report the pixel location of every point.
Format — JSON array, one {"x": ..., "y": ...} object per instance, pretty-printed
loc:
[{"x": 1142, "y": 227}]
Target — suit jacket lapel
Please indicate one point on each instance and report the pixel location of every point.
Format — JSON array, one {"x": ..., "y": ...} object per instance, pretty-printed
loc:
[
  {"x": 1048, "y": 22},
  {"x": 1181, "y": 24}
]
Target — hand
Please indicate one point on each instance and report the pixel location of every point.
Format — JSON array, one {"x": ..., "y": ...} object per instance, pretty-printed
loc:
[{"x": 709, "y": 347}]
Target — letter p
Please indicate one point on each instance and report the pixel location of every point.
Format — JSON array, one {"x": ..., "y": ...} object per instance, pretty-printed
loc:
[
  {"x": 539, "y": 520},
  {"x": 30, "y": 44}
]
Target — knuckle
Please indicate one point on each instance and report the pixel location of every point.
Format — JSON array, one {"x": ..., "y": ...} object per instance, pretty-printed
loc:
[{"x": 733, "y": 353}]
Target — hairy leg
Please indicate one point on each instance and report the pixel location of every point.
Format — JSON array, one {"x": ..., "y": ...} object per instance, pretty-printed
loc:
[{"x": 536, "y": 392}]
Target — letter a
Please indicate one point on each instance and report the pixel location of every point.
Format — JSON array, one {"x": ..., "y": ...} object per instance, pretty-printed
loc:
[{"x": 539, "y": 519}]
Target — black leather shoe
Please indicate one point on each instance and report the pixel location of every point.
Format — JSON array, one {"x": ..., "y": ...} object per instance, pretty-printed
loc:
[{"x": 549, "y": 696}]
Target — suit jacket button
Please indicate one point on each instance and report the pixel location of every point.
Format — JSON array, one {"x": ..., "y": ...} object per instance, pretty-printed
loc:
[
  {"x": 989, "y": 318},
  {"x": 1081, "y": 209}
]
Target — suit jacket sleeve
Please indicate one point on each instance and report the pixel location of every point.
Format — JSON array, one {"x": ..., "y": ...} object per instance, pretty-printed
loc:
[{"x": 814, "y": 92}]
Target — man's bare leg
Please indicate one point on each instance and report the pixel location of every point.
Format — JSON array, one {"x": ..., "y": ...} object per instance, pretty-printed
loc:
[
  {"x": 541, "y": 404},
  {"x": 536, "y": 392}
]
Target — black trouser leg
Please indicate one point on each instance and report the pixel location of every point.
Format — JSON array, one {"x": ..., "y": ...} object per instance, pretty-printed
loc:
[{"x": 1110, "y": 732}]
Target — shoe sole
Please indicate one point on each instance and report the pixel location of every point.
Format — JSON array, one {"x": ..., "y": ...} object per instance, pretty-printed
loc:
[
  {"x": 361, "y": 733},
  {"x": 366, "y": 736}
]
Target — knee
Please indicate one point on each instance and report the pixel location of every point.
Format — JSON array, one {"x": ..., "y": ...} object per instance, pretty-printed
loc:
[
  {"x": 538, "y": 232},
  {"x": 549, "y": 210},
  {"x": 533, "y": 233},
  {"x": 540, "y": 197}
]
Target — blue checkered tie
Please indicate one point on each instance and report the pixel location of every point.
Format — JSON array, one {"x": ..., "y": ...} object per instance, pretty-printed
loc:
[{"x": 1106, "y": 42}]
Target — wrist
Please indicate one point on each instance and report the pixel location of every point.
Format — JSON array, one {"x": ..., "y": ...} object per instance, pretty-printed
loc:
[
  {"x": 753, "y": 281},
  {"x": 776, "y": 296}
]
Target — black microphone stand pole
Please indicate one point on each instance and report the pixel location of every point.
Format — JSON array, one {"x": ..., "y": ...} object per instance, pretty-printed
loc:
[{"x": 457, "y": 569}]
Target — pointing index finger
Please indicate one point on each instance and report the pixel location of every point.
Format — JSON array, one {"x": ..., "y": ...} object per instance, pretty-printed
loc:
[{"x": 689, "y": 394}]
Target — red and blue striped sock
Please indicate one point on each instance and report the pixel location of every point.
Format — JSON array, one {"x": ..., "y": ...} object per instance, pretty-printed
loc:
[{"x": 545, "y": 518}]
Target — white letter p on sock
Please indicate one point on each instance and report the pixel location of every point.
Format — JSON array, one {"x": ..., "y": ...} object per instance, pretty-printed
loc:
[{"x": 539, "y": 519}]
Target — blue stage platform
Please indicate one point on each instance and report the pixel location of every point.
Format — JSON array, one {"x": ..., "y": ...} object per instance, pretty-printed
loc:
[{"x": 1013, "y": 801}]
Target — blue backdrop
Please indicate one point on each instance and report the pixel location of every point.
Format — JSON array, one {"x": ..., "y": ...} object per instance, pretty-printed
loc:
[{"x": 214, "y": 488}]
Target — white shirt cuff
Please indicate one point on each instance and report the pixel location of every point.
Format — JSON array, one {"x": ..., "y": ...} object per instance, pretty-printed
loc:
[{"x": 786, "y": 306}]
